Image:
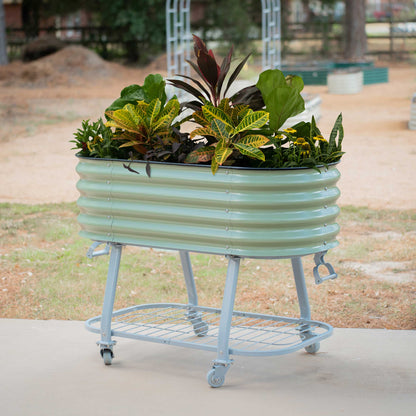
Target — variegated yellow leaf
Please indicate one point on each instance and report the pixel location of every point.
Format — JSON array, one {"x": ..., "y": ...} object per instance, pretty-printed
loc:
[
  {"x": 254, "y": 140},
  {"x": 249, "y": 151},
  {"x": 200, "y": 119},
  {"x": 121, "y": 119},
  {"x": 239, "y": 111},
  {"x": 253, "y": 120},
  {"x": 222, "y": 153},
  {"x": 214, "y": 166},
  {"x": 153, "y": 110},
  {"x": 211, "y": 113},
  {"x": 202, "y": 131},
  {"x": 136, "y": 114},
  {"x": 171, "y": 107},
  {"x": 224, "y": 105},
  {"x": 221, "y": 130}
]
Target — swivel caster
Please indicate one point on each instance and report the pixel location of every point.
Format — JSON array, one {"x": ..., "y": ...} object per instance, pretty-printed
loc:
[
  {"x": 107, "y": 355},
  {"x": 201, "y": 329},
  {"x": 313, "y": 348},
  {"x": 214, "y": 379}
]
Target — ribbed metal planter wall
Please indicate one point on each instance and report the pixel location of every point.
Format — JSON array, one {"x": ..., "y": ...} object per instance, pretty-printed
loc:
[
  {"x": 245, "y": 212},
  {"x": 375, "y": 75},
  {"x": 319, "y": 75},
  {"x": 345, "y": 82},
  {"x": 412, "y": 121}
]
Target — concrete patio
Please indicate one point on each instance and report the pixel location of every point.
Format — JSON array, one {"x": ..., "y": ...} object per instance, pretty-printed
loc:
[{"x": 54, "y": 368}]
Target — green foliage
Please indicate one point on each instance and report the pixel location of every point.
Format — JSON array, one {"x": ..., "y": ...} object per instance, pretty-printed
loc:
[
  {"x": 304, "y": 146},
  {"x": 228, "y": 132},
  {"x": 236, "y": 19},
  {"x": 144, "y": 126},
  {"x": 281, "y": 96},
  {"x": 153, "y": 87},
  {"x": 139, "y": 24},
  {"x": 244, "y": 130},
  {"x": 96, "y": 140}
]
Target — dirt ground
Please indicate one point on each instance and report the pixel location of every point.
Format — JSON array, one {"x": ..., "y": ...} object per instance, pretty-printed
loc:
[{"x": 42, "y": 104}]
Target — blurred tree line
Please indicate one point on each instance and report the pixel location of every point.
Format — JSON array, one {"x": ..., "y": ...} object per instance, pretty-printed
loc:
[{"x": 140, "y": 24}]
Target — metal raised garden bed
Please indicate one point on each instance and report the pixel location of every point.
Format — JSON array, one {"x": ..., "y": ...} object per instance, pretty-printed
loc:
[{"x": 239, "y": 212}]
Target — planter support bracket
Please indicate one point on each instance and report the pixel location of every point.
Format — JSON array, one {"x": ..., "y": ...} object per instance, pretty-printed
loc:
[{"x": 319, "y": 261}]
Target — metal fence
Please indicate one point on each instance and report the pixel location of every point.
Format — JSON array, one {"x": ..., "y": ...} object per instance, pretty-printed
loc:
[{"x": 391, "y": 39}]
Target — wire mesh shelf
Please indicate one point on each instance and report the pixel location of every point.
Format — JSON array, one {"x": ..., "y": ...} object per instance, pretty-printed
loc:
[{"x": 198, "y": 327}]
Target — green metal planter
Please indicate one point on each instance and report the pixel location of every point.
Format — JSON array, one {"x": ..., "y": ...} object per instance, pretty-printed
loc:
[
  {"x": 265, "y": 213},
  {"x": 239, "y": 211}
]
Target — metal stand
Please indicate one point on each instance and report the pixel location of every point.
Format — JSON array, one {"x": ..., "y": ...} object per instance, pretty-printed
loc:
[{"x": 222, "y": 330}]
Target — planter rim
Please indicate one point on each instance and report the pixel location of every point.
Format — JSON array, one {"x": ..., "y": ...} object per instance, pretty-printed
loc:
[{"x": 205, "y": 166}]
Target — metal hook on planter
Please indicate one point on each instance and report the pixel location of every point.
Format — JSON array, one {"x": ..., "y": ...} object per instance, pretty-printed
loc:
[
  {"x": 319, "y": 261},
  {"x": 92, "y": 253}
]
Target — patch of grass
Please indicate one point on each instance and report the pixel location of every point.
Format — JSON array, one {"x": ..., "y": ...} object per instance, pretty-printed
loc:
[{"x": 45, "y": 274}]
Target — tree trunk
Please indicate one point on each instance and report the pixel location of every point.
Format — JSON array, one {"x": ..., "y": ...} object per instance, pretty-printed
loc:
[
  {"x": 355, "y": 35},
  {"x": 3, "y": 43}
]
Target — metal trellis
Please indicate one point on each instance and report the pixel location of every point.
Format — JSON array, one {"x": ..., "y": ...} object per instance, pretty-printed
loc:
[{"x": 179, "y": 38}]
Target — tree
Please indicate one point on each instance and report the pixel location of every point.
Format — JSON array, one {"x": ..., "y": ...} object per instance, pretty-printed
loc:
[
  {"x": 354, "y": 30},
  {"x": 3, "y": 43},
  {"x": 140, "y": 24},
  {"x": 234, "y": 18}
]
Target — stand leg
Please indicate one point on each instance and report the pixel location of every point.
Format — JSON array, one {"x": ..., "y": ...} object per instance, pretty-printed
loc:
[
  {"x": 195, "y": 317},
  {"x": 305, "y": 310},
  {"x": 106, "y": 344},
  {"x": 189, "y": 277},
  {"x": 216, "y": 375}
]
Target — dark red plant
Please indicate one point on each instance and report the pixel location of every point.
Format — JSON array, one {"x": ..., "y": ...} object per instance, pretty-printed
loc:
[{"x": 212, "y": 75}]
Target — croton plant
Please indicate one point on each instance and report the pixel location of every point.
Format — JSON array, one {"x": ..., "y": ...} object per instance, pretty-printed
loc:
[{"x": 243, "y": 129}]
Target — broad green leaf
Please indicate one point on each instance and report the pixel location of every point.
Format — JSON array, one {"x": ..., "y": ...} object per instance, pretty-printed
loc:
[
  {"x": 210, "y": 112},
  {"x": 249, "y": 151},
  {"x": 202, "y": 131},
  {"x": 128, "y": 95},
  {"x": 204, "y": 154},
  {"x": 253, "y": 120},
  {"x": 254, "y": 140},
  {"x": 221, "y": 130},
  {"x": 282, "y": 98},
  {"x": 295, "y": 82},
  {"x": 154, "y": 87}
]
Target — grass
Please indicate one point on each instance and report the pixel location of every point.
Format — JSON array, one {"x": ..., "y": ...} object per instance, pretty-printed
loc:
[{"x": 44, "y": 273}]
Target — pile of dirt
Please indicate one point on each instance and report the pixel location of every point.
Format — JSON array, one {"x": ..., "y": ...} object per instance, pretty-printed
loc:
[{"x": 72, "y": 65}]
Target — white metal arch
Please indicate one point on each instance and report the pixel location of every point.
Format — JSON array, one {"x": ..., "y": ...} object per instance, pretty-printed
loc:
[{"x": 179, "y": 39}]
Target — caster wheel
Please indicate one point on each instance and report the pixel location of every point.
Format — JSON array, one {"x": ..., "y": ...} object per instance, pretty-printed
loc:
[
  {"x": 215, "y": 380},
  {"x": 201, "y": 329},
  {"x": 312, "y": 349},
  {"x": 107, "y": 356}
]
